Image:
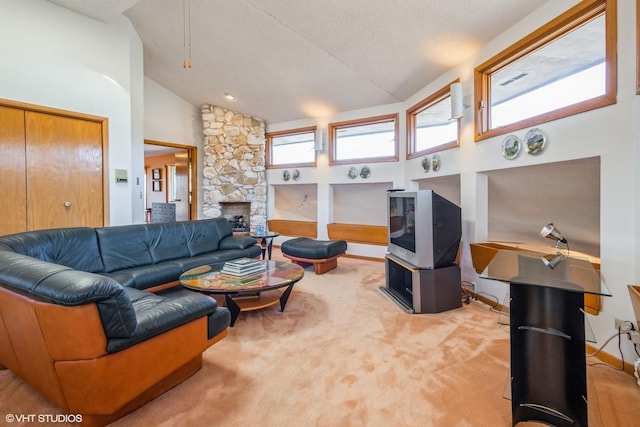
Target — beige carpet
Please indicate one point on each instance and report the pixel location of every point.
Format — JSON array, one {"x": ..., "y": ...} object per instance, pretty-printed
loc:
[{"x": 343, "y": 354}]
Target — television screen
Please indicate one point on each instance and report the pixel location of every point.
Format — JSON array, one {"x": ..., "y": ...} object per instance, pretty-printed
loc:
[
  {"x": 424, "y": 228},
  {"x": 402, "y": 217}
]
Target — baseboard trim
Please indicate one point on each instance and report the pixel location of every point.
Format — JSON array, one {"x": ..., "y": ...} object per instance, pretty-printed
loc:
[
  {"x": 602, "y": 356},
  {"x": 610, "y": 360}
]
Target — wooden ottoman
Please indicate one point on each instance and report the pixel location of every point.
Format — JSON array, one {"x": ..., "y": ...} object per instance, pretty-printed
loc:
[{"x": 322, "y": 254}]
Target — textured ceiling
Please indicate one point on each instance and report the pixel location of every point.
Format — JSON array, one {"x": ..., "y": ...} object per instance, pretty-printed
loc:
[{"x": 286, "y": 60}]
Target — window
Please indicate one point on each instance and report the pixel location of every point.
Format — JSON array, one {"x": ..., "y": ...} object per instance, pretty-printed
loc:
[
  {"x": 294, "y": 147},
  {"x": 565, "y": 67},
  {"x": 171, "y": 183},
  {"x": 374, "y": 139},
  {"x": 430, "y": 127}
]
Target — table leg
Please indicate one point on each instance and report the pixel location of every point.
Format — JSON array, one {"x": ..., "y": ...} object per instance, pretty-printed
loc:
[
  {"x": 263, "y": 246},
  {"x": 285, "y": 296},
  {"x": 233, "y": 308},
  {"x": 269, "y": 248}
]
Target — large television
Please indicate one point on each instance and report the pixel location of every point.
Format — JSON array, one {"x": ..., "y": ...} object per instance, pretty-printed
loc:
[{"x": 424, "y": 228}]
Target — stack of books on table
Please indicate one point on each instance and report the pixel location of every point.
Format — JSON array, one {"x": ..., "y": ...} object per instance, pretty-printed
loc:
[{"x": 243, "y": 267}]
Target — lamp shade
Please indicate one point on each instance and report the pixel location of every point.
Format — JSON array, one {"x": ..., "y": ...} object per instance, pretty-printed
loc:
[
  {"x": 457, "y": 107},
  {"x": 550, "y": 231},
  {"x": 552, "y": 261}
]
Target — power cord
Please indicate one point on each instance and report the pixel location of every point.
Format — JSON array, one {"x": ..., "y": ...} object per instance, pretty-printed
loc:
[
  {"x": 469, "y": 295},
  {"x": 619, "y": 335}
]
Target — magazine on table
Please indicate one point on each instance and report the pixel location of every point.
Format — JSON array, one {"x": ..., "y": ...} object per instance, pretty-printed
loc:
[{"x": 243, "y": 267}]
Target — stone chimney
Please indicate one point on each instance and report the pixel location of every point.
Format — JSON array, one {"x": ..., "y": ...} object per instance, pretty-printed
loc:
[{"x": 234, "y": 162}]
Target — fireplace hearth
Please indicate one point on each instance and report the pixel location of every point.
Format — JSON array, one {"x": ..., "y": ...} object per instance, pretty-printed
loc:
[
  {"x": 238, "y": 214},
  {"x": 238, "y": 224}
]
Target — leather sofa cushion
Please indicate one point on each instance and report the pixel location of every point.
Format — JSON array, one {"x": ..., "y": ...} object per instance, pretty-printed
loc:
[
  {"x": 237, "y": 242},
  {"x": 304, "y": 247},
  {"x": 127, "y": 246},
  {"x": 167, "y": 241},
  {"x": 73, "y": 247},
  {"x": 124, "y": 246},
  {"x": 147, "y": 276},
  {"x": 63, "y": 286},
  {"x": 217, "y": 321},
  {"x": 205, "y": 235},
  {"x": 219, "y": 256},
  {"x": 157, "y": 314}
]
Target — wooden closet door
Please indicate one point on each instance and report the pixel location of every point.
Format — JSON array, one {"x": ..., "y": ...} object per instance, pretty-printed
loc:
[
  {"x": 64, "y": 172},
  {"x": 12, "y": 171}
]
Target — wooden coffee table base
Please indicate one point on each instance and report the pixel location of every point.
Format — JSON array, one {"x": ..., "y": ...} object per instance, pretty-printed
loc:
[
  {"x": 239, "y": 303},
  {"x": 245, "y": 293}
]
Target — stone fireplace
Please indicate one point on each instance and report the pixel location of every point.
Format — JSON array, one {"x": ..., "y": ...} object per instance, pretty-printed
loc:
[{"x": 234, "y": 165}]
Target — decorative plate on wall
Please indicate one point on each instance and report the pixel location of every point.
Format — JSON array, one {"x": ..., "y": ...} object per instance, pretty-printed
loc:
[
  {"x": 511, "y": 147},
  {"x": 365, "y": 172},
  {"x": 286, "y": 175},
  {"x": 426, "y": 164},
  {"x": 535, "y": 140},
  {"x": 436, "y": 162},
  {"x": 352, "y": 173}
]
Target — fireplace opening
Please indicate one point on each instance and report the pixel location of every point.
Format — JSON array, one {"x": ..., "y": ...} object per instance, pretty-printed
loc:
[{"x": 238, "y": 214}]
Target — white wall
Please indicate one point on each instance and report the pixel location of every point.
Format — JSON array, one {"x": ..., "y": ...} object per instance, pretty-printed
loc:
[
  {"x": 57, "y": 58},
  {"x": 387, "y": 174},
  {"x": 169, "y": 118},
  {"x": 610, "y": 133}
]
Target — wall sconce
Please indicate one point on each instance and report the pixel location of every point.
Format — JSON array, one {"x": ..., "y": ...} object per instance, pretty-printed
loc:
[
  {"x": 319, "y": 142},
  {"x": 550, "y": 231},
  {"x": 457, "y": 106}
]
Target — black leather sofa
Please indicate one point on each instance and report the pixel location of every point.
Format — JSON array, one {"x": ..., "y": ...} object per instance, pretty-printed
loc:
[{"x": 79, "y": 319}]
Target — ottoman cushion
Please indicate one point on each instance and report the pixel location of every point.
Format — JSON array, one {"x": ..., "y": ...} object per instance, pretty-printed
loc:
[{"x": 304, "y": 247}]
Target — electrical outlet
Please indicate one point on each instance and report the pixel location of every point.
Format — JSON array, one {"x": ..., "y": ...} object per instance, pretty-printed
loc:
[{"x": 623, "y": 325}]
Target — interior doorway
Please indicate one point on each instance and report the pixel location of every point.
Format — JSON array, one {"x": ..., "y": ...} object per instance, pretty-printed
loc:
[{"x": 170, "y": 173}]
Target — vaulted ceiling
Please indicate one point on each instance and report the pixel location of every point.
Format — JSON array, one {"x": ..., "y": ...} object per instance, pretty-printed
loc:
[{"x": 290, "y": 59}]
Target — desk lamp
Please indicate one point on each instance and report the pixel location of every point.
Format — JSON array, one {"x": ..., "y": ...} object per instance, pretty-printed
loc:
[{"x": 550, "y": 231}]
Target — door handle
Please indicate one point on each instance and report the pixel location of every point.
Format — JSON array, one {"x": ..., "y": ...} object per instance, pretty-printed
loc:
[
  {"x": 177, "y": 200},
  {"x": 67, "y": 204}
]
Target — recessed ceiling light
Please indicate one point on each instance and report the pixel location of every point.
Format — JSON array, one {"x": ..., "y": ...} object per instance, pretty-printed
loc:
[{"x": 229, "y": 96}]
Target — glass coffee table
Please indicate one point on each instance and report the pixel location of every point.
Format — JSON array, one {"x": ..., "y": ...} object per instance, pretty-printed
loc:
[{"x": 245, "y": 293}]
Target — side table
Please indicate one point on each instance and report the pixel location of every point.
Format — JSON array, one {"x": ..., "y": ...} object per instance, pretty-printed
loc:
[{"x": 266, "y": 242}]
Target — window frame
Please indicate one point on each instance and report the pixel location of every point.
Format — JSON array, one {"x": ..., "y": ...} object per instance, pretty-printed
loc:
[
  {"x": 269, "y": 147},
  {"x": 551, "y": 31},
  {"x": 418, "y": 108},
  {"x": 333, "y": 132},
  {"x": 637, "y": 47}
]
